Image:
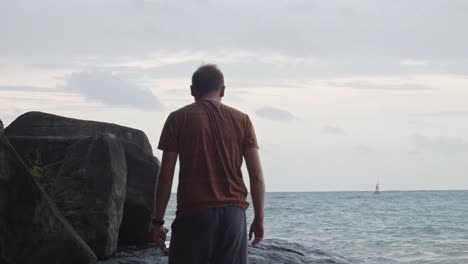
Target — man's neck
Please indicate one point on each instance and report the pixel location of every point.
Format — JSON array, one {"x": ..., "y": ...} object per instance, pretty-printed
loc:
[{"x": 214, "y": 98}]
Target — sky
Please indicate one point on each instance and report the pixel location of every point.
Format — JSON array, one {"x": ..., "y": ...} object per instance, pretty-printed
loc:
[{"x": 342, "y": 94}]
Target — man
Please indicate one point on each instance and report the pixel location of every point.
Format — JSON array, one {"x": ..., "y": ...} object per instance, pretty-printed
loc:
[{"x": 210, "y": 139}]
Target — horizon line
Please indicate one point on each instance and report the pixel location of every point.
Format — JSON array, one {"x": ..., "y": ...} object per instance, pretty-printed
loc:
[
  {"x": 391, "y": 190},
  {"x": 369, "y": 191}
]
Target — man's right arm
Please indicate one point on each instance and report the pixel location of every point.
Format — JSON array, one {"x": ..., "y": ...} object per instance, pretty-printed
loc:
[{"x": 257, "y": 189}]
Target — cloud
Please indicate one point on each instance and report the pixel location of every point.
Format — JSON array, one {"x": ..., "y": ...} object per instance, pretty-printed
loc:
[
  {"x": 364, "y": 149},
  {"x": 109, "y": 89},
  {"x": 275, "y": 114},
  {"x": 333, "y": 130},
  {"x": 25, "y": 89},
  {"x": 442, "y": 145},
  {"x": 414, "y": 63},
  {"x": 318, "y": 28},
  {"x": 149, "y": 38},
  {"x": 404, "y": 87},
  {"x": 445, "y": 114}
]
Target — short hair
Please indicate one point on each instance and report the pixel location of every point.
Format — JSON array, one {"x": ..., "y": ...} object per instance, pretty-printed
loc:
[{"x": 207, "y": 78}]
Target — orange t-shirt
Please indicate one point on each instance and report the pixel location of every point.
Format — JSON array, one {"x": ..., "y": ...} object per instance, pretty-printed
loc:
[{"x": 210, "y": 138}]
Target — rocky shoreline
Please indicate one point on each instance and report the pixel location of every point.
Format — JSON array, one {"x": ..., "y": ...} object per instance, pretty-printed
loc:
[
  {"x": 269, "y": 251},
  {"x": 76, "y": 191}
]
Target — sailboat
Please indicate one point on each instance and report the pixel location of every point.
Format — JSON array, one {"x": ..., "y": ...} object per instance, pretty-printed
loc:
[{"x": 377, "y": 189}]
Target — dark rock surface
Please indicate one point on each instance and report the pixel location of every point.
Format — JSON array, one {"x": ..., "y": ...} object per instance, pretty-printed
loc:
[
  {"x": 32, "y": 230},
  {"x": 270, "y": 251},
  {"x": 147, "y": 255},
  {"x": 281, "y": 251},
  {"x": 89, "y": 190},
  {"x": 69, "y": 152},
  {"x": 48, "y": 152},
  {"x": 2, "y": 198},
  {"x": 38, "y": 124},
  {"x": 142, "y": 171}
]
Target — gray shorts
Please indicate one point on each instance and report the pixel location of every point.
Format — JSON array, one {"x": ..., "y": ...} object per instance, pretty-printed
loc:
[{"x": 211, "y": 235}]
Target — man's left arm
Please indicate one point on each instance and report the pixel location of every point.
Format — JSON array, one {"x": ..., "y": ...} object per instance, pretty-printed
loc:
[{"x": 162, "y": 194}]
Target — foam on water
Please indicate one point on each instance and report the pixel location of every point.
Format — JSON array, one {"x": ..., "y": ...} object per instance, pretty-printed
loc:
[{"x": 393, "y": 227}]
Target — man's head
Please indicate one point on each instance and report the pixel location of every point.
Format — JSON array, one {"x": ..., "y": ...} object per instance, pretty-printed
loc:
[{"x": 207, "y": 79}]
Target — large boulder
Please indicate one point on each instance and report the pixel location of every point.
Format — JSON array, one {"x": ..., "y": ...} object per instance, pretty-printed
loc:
[
  {"x": 269, "y": 251},
  {"x": 90, "y": 189},
  {"x": 57, "y": 148},
  {"x": 32, "y": 230},
  {"x": 37, "y": 124}
]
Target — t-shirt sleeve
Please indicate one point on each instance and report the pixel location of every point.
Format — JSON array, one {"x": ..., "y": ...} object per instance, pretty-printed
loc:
[
  {"x": 169, "y": 135},
  {"x": 250, "y": 139}
]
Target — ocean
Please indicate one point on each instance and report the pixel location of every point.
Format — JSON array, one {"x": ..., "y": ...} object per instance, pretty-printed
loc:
[{"x": 429, "y": 227}]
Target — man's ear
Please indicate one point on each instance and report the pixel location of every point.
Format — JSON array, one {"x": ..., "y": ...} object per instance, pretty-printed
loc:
[
  {"x": 221, "y": 91},
  {"x": 192, "y": 91}
]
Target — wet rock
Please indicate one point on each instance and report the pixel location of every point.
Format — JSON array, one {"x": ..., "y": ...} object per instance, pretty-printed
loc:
[
  {"x": 32, "y": 230},
  {"x": 270, "y": 251},
  {"x": 281, "y": 251},
  {"x": 145, "y": 255}
]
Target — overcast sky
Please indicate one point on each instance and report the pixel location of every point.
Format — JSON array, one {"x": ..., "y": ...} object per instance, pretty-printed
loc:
[{"x": 342, "y": 93}]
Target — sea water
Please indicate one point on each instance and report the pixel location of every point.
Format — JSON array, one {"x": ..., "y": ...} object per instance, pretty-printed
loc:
[{"x": 392, "y": 227}]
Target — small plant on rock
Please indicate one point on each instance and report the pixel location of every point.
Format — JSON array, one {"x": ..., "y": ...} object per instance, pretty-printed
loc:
[{"x": 36, "y": 167}]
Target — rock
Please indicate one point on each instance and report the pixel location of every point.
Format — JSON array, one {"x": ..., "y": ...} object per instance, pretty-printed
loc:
[
  {"x": 38, "y": 124},
  {"x": 89, "y": 190},
  {"x": 145, "y": 255},
  {"x": 46, "y": 140},
  {"x": 142, "y": 171},
  {"x": 269, "y": 251},
  {"x": 32, "y": 230},
  {"x": 47, "y": 152},
  {"x": 4, "y": 172},
  {"x": 281, "y": 251}
]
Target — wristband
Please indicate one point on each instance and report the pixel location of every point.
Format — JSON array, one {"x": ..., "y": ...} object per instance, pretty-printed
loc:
[{"x": 156, "y": 222}]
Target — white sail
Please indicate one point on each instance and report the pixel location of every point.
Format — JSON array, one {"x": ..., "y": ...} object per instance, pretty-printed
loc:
[{"x": 377, "y": 189}]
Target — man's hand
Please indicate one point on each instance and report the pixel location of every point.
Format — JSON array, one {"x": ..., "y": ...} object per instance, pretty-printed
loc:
[
  {"x": 257, "y": 189},
  {"x": 162, "y": 195},
  {"x": 257, "y": 229},
  {"x": 159, "y": 237}
]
